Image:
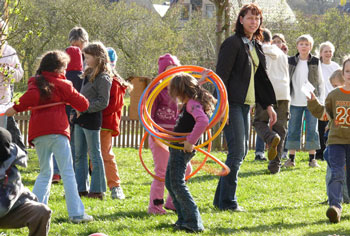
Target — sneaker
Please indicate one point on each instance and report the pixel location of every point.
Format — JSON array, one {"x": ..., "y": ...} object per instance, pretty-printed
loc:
[
  {"x": 289, "y": 163},
  {"x": 81, "y": 219},
  {"x": 272, "y": 152},
  {"x": 95, "y": 195},
  {"x": 333, "y": 213},
  {"x": 274, "y": 167},
  {"x": 237, "y": 209},
  {"x": 284, "y": 155},
  {"x": 56, "y": 179},
  {"x": 117, "y": 193},
  {"x": 260, "y": 157},
  {"x": 313, "y": 163}
]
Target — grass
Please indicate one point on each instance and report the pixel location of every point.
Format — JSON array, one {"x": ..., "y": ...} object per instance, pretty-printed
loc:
[{"x": 282, "y": 204}]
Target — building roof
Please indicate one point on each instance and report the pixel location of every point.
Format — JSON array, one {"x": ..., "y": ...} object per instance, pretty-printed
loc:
[{"x": 161, "y": 9}]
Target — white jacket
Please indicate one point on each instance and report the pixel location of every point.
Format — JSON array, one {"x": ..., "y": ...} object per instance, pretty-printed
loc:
[
  {"x": 10, "y": 62},
  {"x": 277, "y": 70}
]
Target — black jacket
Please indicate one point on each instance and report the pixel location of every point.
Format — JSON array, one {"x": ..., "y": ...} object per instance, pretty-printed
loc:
[{"x": 234, "y": 68}]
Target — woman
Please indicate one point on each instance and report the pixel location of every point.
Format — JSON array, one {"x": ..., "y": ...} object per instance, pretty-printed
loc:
[{"x": 242, "y": 67}]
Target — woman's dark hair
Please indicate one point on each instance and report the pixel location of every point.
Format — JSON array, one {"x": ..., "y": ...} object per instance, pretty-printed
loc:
[
  {"x": 185, "y": 85},
  {"x": 255, "y": 10},
  {"x": 50, "y": 62}
]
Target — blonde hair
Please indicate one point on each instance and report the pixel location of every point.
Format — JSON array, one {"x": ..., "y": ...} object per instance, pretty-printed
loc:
[
  {"x": 306, "y": 37},
  {"x": 346, "y": 59},
  {"x": 322, "y": 47},
  {"x": 184, "y": 85},
  {"x": 100, "y": 54},
  {"x": 337, "y": 75}
]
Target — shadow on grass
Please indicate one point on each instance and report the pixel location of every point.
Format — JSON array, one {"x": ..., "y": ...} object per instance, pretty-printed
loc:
[
  {"x": 125, "y": 214},
  {"x": 203, "y": 178}
]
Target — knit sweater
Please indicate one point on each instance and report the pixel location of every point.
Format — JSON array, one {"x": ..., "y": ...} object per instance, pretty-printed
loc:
[{"x": 336, "y": 106}]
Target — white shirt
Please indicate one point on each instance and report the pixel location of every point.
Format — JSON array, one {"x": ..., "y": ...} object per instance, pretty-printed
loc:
[
  {"x": 10, "y": 61},
  {"x": 327, "y": 71}
]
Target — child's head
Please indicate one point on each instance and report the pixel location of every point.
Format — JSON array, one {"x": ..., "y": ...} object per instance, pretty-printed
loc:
[
  {"x": 326, "y": 51},
  {"x": 184, "y": 86},
  {"x": 96, "y": 58},
  {"x": 112, "y": 55},
  {"x": 52, "y": 61},
  {"x": 5, "y": 141},
  {"x": 166, "y": 61},
  {"x": 304, "y": 44},
  {"x": 78, "y": 37},
  {"x": 346, "y": 69},
  {"x": 337, "y": 79},
  {"x": 267, "y": 35},
  {"x": 76, "y": 59},
  {"x": 278, "y": 40}
]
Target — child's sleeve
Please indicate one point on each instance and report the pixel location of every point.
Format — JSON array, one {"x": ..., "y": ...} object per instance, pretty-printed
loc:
[
  {"x": 317, "y": 110},
  {"x": 321, "y": 83},
  {"x": 76, "y": 99},
  {"x": 103, "y": 86},
  {"x": 196, "y": 110},
  {"x": 29, "y": 99}
]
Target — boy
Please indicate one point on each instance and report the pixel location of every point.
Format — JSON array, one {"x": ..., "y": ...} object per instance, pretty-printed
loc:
[
  {"x": 18, "y": 206},
  {"x": 277, "y": 70},
  {"x": 303, "y": 68}
]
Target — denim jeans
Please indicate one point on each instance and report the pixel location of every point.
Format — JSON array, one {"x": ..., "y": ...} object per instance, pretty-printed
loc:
[
  {"x": 186, "y": 208},
  {"x": 59, "y": 146},
  {"x": 259, "y": 146},
  {"x": 56, "y": 171},
  {"x": 295, "y": 127},
  {"x": 237, "y": 135},
  {"x": 89, "y": 141},
  {"x": 339, "y": 154},
  {"x": 3, "y": 121}
]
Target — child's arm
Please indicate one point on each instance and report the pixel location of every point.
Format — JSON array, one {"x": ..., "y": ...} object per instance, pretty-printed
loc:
[
  {"x": 316, "y": 109},
  {"x": 76, "y": 99},
  {"x": 321, "y": 83},
  {"x": 103, "y": 86},
  {"x": 202, "y": 121},
  {"x": 29, "y": 99}
]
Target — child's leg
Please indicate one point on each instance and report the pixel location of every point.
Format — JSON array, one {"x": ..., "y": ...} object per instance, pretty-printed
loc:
[
  {"x": 160, "y": 158},
  {"x": 294, "y": 128},
  {"x": 337, "y": 154},
  {"x": 110, "y": 165},
  {"x": 346, "y": 196},
  {"x": 81, "y": 161},
  {"x": 34, "y": 215},
  {"x": 182, "y": 198},
  {"x": 62, "y": 152},
  {"x": 98, "y": 180},
  {"x": 43, "y": 146},
  {"x": 312, "y": 139}
]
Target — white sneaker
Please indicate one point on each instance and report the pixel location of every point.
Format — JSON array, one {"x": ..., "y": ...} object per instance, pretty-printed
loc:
[
  {"x": 117, "y": 193},
  {"x": 81, "y": 219}
]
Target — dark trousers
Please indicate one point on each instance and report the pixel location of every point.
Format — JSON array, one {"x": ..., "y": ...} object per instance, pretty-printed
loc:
[{"x": 321, "y": 130}]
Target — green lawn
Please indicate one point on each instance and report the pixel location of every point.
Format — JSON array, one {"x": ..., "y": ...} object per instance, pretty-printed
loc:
[{"x": 282, "y": 204}]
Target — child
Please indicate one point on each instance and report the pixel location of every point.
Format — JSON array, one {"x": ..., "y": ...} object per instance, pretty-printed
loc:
[
  {"x": 303, "y": 68},
  {"x": 336, "y": 107},
  {"x": 279, "y": 40},
  {"x": 164, "y": 113},
  {"x": 111, "y": 116},
  {"x": 96, "y": 88},
  {"x": 73, "y": 73},
  {"x": 20, "y": 208},
  {"x": 49, "y": 129},
  {"x": 197, "y": 104},
  {"x": 337, "y": 80}
]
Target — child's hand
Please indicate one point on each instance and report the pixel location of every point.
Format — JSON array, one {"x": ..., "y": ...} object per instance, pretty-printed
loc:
[
  {"x": 78, "y": 114},
  {"x": 205, "y": 74},
  {"x": 188, "y": 147},
  {"x": 10, "y": 112},
  {"x": 313, "y": 97}
]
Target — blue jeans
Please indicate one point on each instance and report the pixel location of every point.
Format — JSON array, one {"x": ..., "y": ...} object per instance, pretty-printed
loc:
[
  {"x": 59, "y": 146},
  {"x": 89, "y": 141},
  {"x": 3, "y": 121},
  {"x": 237, "y": 135},
  {"x": 259, "y": 146},
  {"x": 339, "y": 154},
  {"x": 295, "y": 127},
  {"x": 186, "y": 208}
]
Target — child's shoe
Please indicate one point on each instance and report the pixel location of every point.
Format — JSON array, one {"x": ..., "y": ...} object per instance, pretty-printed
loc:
[
  {"x": 117, "y": 193},
  {"x": 260, "y": 157},
  {"x": 156, "y": 210},
  {"x": 289, "y": 163},
  {"x": 81, "y": 219},
  {"x": 272, "y": 152},
  {"x": 313, "y": 163},
  {"x": 96, "y": 195},
  {"x": 56, "y": 179},
  {"x": 333, "y": 213}
]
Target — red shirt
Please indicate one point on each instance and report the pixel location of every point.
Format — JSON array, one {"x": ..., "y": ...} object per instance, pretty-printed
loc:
[
  {"x": 50, "y": 120},
  {"x": 111, "y": 115},
  {"x": 76, "y": 59}
]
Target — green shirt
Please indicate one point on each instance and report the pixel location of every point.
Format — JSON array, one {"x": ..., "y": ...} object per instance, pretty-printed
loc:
[{"x": 250, "y": 98}]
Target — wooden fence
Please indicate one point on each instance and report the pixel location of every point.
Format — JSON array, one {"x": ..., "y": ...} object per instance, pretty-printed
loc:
[{"x": 131, "y": 132}]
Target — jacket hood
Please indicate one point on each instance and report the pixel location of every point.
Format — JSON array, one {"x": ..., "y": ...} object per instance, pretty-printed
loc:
[
  {"x": 271, "y": 51},
  {"x": 18, "y": 157}
]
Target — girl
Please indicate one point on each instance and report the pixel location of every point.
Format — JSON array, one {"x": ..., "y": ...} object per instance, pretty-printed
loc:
[
  {"x": 197, "y": 104},
  {"x": 336, "y": 107},
  {"x": 328, "y": 66},
  {"x": 49, "y": 128},
  {"x": 111, "y": 116},
  {"x": 163, "y": 112},
  {"x": 96, "y": 88}
]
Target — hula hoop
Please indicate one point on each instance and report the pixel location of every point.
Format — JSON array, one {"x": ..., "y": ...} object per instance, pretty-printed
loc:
[
  {"x": 41, "y": 106},
  {"x": 168, "y": 137}
]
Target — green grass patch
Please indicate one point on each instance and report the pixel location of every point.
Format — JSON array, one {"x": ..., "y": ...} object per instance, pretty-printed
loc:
[{"x": 287, "y": 203}]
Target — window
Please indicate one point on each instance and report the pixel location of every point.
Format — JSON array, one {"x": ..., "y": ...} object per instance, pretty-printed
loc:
[{"x": 209, "y": 10}]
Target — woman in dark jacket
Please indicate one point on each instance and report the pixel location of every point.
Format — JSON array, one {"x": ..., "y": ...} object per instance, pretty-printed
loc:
[{"x": 242, "y": 67}]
